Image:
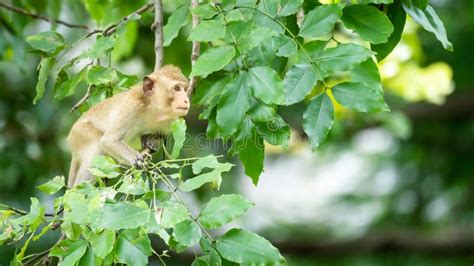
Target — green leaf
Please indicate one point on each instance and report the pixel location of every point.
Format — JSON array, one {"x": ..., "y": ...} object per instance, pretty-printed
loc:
[
  {"x": 89, "y": 259},
  {"x": 133, "y": 248},
  {"x": 262, "y": 112},
  {"x": 187, "y": 233},
  {"x": 69, "y": 252},
  {"x": 397, "y": 16},
  {"x": 103, "y": 243},
  {"x": 233, "y": 104},
  {"x": 299, "y": 81},
  {"x": 359, "y": 97},
  {"x": 421, "y": 4},
  {"x": 103, "y": 166},
  {"x": 370, "y": 23},
  {"x": 176, "y": 21},
  {"x": 341, "y": 58},
  {"x": 49, "y": 42},
  {"x": 430, "y": 21},
  {"x": 173, "y": 213},
  {"x": 223, "y": 209},
  {"x": 214, "y": 176},
  {"x": 209, "y": 161},
  {"x": 368, "y": 73},
  {"x": 133, "y": 186},
  {"x": 45, "y": 67},
  {"x": 123, "y": 215},
  {"x": 208, "y": 30},
  {"x": 289, "y": 7},
  {"x": 318, "y": 119},
  {"x": 178, "y": 130},
  {"x": 65, "y": 86},
  {"x": 212, "y": 60},
  {"x": 252, "y": 155},
  {"x": 100, "y": 48},
  {"x": 53, "y": 185},
  {"x": 241, "y": 246},
  {"x": 276, "y": 131},
  {"x": 208, "y": 90},
  {"x": 288, "y": 48},
  {"x": 320, "y": 21},
  {"x": 98, "y": 75},
  {"x": 205, "y": 11},
  {"x": 126, "y": 40},
  {"x": 34, "y": 218},
  {"x": 266, "y": 85}
]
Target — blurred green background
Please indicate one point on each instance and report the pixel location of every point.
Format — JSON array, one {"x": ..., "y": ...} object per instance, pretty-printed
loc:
[{"x": 385, "y": 189}]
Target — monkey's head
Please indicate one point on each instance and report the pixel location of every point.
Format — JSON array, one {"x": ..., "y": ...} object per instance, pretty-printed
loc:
[{"x": 167, "y": 90}]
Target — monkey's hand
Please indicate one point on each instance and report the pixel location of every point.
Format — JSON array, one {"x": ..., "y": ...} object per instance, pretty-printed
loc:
[{"x": 143, "y": 160}]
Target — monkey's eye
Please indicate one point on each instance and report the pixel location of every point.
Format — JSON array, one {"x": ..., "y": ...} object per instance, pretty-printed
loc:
[{"x": 176, "y": 88}]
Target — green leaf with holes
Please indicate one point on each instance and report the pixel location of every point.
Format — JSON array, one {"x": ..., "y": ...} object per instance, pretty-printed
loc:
[{"x": 45, "y": 67}]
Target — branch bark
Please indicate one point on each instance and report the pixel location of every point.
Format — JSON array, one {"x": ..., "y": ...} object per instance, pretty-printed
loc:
[
  {"x": 195, "y": 48},
  {"x": 158, "y": 28},
  {"x": 36, "y": 16}
]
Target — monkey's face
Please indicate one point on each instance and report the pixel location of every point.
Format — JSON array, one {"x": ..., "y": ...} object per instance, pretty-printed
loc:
[{"x": 178, "y": 99}]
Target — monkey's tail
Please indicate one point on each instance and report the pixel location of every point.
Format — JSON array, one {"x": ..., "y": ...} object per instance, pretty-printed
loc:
[{"x": 73, "y": 172}]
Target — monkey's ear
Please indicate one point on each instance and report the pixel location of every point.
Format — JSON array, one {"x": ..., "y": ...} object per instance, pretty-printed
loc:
[{"x": 148, "y": 86}]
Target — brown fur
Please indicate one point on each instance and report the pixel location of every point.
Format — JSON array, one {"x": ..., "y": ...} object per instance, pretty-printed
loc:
[{"x": 108, "y": 127}]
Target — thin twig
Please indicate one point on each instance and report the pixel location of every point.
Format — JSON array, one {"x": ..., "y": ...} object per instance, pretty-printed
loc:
[
  {"x": 196, "y": 48},
  {"x": 158, "y": 28},
  {"x": 83, "y": 99},
  {"x": 109, "y": 30},
  {"x": 36, "y": 16}
]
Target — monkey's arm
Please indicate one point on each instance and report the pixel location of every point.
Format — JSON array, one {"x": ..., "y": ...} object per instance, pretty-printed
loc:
[{"x": 112, "y": 144}]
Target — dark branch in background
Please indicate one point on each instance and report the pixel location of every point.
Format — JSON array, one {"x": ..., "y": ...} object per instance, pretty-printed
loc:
[
  {"x": 36, "y": 16},
  {"x": 157, "y": 26},
  {"x": 196, "y": 47}
]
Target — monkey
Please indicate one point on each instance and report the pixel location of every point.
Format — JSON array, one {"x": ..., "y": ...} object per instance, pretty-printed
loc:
[{"x": 108, "y": 128}]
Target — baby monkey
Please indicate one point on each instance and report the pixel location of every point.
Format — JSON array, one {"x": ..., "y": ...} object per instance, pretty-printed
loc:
[{"x": 108, "y": 127}]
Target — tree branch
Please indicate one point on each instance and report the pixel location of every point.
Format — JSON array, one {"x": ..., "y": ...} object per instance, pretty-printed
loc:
[
  {"x": 196, "y": 47},
  {"x": 83, "y": 99},
  {"x": 36, "y": 16},
  {"x": 158, "y": 28}
]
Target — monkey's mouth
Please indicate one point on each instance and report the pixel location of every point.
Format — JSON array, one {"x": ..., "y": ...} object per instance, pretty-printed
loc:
[{"x": 182, "y": 108}]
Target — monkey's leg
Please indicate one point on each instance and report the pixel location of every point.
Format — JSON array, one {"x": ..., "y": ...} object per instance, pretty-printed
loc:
[
  {"x": 83, "y": 173},
  {"x": 74, "y": 168}
]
